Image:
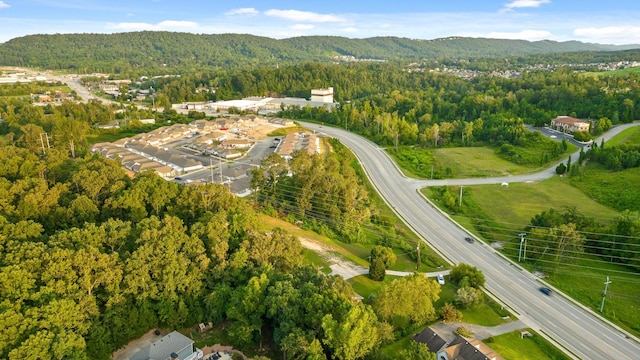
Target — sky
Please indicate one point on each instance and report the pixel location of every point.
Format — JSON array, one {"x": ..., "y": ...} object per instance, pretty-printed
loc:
[{"x": 593, "y": 21}]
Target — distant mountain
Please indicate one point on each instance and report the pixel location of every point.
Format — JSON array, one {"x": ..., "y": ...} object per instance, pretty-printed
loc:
[{"x": 122, "y": 52}]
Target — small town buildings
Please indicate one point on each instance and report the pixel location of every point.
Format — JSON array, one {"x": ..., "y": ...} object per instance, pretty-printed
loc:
[
  {"x": 237, "y": 143},
  {"x": 568, "y": 124},
  {"x": 302, "y": 141}
]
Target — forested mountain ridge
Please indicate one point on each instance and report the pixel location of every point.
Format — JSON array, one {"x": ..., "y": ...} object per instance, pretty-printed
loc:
[{"x": 115, "y": 53}]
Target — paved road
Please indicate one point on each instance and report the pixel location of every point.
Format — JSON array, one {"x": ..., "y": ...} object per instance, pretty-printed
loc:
[{"x": 577, "y": 330}]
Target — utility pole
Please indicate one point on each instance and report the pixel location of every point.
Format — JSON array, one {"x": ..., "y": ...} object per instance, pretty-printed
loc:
[
  {"x": 42, "y": 143},
  {"x": 418, "y": 258},
  {"x": 431, "y": 171},
  {"x": 220, "y": 167},
  {"x": 604, "y": 295},
  {"x": 460, "y": 196},
  {"x": 211, "y": 167},
  {"x": 520, "y": 251}
]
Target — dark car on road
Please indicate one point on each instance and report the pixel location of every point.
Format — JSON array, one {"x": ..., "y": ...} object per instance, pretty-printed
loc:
[
  {"x": 546, "y": 291},
  {"x": 469, "y": 240}
]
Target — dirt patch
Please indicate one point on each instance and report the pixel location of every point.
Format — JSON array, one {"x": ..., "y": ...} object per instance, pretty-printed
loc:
[
  {"x": 225, "y": 352},
  {"x": 261, "y": 131},
  {"x": 339, "y": 266}
]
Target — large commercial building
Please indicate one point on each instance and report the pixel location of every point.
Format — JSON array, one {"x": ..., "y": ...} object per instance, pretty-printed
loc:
[
  {"x": 322, "y": 95},
  {"x": 568, "y": 124}
]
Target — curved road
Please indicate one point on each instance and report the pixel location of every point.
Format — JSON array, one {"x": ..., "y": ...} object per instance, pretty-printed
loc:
[{"x": 580, "y": 332}]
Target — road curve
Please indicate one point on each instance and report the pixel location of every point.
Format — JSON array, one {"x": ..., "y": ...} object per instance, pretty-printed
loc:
[{"x": 580, "y": 332}]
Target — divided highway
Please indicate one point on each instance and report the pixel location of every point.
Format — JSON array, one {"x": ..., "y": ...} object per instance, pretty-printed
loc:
[{"x": 580, "y": 332}]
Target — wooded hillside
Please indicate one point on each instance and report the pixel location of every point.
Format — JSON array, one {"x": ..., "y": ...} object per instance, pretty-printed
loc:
[{"x": 115, "y": 53}]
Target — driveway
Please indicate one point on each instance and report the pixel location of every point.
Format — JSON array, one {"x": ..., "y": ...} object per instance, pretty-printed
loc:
[{"x": 447, "y": 330}]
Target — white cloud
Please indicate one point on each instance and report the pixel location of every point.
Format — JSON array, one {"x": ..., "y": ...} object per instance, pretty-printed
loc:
[
  {"x": 530, "y": 35},
  {"x": 609, "y": 32},
  {"x": 614, "y": 34},
  {"x": 302, "y": 27},
  {"x": 4, "y": 5},
  {"x": 349, "y": 30},
  {"x": 177, "y": 24},
  {"x": 163, "y": 25},
  {"x": 526, "y": 3},
  {"x": 242, "y": 11},
  {"x": 131, "y": 26},
  {"x": 303, "y": 16}
]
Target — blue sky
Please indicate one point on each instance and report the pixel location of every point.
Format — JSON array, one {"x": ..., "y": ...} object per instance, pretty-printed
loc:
[{"x": 597, "y": 21}]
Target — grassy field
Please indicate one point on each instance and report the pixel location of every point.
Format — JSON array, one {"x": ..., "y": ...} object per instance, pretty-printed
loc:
[
  {"x": 477, "y": 162},
  {"x": 512, "y": 347},
  {"x": 108, "y": 137},
  {"x": 516, "y": 204},
  {"x": 629, "y": 136},
  {"x": 467, "y": 162},
  {"x": 617, "y": 189}
]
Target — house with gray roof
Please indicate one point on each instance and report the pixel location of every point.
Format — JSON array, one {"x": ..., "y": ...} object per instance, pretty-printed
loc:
[
  {"x": 455, "y": 347},
  {"x": 173, "y": 346}
]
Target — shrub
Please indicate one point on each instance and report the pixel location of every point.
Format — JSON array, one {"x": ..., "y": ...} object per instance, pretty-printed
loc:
[
  {"x": 463, "y": 331},
  {"x": 450, "y": 313},
  {"x": 468, "y": 296},
  {"x": 377, "y": 270}
]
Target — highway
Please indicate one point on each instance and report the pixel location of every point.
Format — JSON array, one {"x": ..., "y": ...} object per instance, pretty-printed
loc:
[{"x": 578, "y": 331}]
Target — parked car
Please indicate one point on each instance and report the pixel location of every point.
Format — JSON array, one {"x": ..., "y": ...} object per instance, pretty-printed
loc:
[
  {"x": 469, "y": 240},
  {"x": 546, "y": 291},
  {"x": 441, "y": 279}
]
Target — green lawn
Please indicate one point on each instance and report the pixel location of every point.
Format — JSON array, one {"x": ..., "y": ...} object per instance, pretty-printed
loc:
[
  {"x": 511, "y": 347},
  {"x": 618, "y": 189},
  {"x": 468, "y": 162},
  {"x": 630, "y": 136},
  {"x": 516, "y": 204},
  {"x": 364, "y": 286},
  {"x": 486, "y": 313},
  {"x": 108, "y": 136}
]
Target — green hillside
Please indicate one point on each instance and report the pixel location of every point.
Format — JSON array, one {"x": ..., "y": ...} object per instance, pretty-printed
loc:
[{"x": 121, "y": 52}]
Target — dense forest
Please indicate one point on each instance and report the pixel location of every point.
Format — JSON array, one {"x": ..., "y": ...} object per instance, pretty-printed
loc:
[{"x": 169, "y": 52}]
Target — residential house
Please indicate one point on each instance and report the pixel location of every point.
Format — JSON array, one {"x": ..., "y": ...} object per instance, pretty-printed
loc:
[
  {"x": 237, "y": 143},
  {"x": 463, "y": 348},
  {"x": 432, "y": 339},
  {"x": 568, "y": 124},
  {"x": 173, "y": 346},
  {"x": 302, "y": 141},
  {"x": 455, "y": 348}
]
